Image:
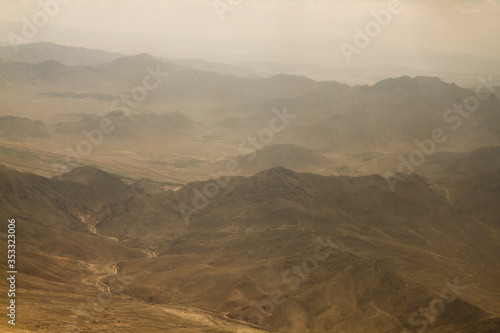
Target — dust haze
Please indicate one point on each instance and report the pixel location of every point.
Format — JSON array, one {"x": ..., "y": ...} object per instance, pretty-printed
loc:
[{"x": 250, "y": 166}]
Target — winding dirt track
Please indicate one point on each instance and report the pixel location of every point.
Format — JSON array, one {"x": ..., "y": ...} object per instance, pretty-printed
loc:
[{"x": 214, "y": 320}]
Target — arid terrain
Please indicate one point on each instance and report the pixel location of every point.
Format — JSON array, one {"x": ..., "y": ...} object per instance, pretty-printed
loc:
[{"x": 154, "y": 196}]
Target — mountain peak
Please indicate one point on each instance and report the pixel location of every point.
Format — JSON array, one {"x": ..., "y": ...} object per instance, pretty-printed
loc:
[
  {"x": 139, "y": 58},
  {"x": 49, "y": 65},
  {"x": 89, "y": 176},
  {"x": 406, "y": 82},
  {"x": 279, "y": 171},
  {"x": 115, "y": 114},
  {"x": 288, "y": 77},
  {"x": 100, "y": 182}
]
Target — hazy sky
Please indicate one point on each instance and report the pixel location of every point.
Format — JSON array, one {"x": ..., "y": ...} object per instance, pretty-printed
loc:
[
  {"x": 300, "y": 31},
  {"x": 445, "y": 25}
]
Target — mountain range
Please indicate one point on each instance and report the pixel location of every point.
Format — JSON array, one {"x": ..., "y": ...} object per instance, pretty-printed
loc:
[
  {"x": 163, "y": 195},
  {"x": 390, "y": 253},
  {"x": 210, "y": 115}
]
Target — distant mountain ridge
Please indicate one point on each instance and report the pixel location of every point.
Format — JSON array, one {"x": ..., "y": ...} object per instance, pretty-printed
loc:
[
  {"x": 19, "y": 128},
  {"x": 124, "y": 126},
  {"x": 229, "y": 200},
  {"x": 67, "y": 55}
]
